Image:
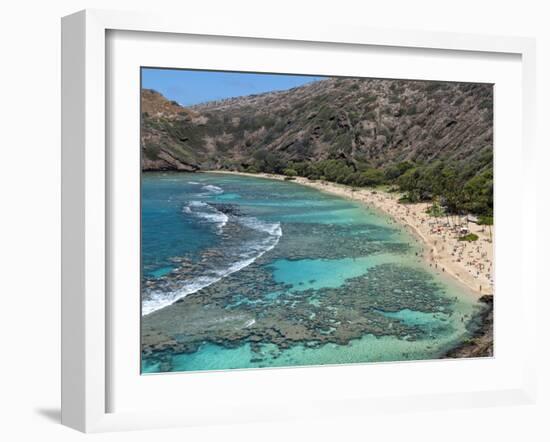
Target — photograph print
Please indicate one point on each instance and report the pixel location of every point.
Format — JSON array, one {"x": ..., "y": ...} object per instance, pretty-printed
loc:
[{"x": 293, "y": 220}]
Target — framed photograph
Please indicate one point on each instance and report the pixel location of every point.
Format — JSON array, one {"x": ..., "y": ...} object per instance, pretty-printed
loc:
[{"x": 292, "y": 222}]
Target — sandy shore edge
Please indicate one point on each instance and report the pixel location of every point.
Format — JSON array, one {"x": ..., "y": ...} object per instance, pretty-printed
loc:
[{"x": 469, "y": 263}]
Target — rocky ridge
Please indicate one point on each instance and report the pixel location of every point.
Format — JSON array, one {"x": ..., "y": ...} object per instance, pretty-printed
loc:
[{"x": 363, "y": 121}]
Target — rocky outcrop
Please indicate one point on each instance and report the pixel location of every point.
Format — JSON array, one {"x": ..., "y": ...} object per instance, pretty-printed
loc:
[
  {"x": 165, "y": 161},
  {"x": 481, "y": 343}
]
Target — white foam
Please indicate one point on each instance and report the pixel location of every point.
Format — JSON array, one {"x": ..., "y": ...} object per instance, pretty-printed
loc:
[
  {"x": 158, "y": 299},
  {"x": 261, "y": 226},
  {"x": 213, "y": 189},
  {"x": 207, "y": 212},
  {"x": 248, "y": 253}
]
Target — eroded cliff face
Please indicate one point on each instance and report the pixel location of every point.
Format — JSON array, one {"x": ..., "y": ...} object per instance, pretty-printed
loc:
[
  {"x": 363, "y": 121},
  {"x": 481, "y": 344}
]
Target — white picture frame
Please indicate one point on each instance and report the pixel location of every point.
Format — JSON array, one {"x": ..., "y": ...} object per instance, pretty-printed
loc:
[{"x": 86, "y": 208}]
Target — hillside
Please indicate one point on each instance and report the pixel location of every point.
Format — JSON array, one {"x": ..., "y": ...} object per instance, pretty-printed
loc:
[{"x": 351, "y": 126}]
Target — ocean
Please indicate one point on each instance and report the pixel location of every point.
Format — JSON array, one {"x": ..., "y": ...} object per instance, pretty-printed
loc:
[{"x": 244, "y": 272}]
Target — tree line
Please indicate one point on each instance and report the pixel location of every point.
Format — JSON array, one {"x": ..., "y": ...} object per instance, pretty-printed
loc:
[{"x": 460, "y": 186}]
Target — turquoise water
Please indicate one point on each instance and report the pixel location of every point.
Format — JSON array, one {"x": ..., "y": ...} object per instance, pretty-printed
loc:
[
  {"x": 241, "y": 272},
  {"x": 305, "y": 274}
]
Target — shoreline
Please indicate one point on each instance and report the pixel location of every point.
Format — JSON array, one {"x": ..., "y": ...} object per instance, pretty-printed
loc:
[
  {"x": 481, "y": 343},
  {"x": 468, "y": 263}
]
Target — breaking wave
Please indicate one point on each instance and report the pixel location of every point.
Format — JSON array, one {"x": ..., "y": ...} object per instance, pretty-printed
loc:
[
  {"x": 210, "y": 188},
  {"x": 208, "y": 213},
  {"x": 236, "y": 257}
]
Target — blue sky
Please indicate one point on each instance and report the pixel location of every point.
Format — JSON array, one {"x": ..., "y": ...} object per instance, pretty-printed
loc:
[{"x": 192, "y": 87}]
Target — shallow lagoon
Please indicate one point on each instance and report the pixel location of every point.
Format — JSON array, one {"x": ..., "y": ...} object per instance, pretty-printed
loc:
[{"x": 243, "y": 272}]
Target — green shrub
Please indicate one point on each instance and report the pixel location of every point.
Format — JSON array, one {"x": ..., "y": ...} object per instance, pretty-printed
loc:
[
  {"x": 371, "y": 177},
  {"x": 435, "y": 210},
  {"x": 470, "y": 237},
  {"x": 289, "y": 172},
  {"x": 152, "y": 151},
  {"x": 395, "y": 171},
  {"x": 485, "y": 220}
]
